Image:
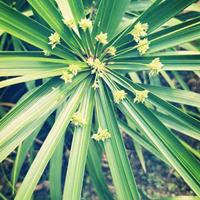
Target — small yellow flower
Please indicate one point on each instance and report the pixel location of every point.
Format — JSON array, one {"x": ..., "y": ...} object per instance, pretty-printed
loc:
[
  {"x": 74, "y": 69},
  {"x": 102, "y": 134},
  {"x": 143, "y": 46},
  {"x": 90, "y": 61},
  {"x": 70, "y": 23},
  {"x": 95, "y": 85},
  {"x": 46, "y": 52},
  {"x": 112, "y": 51},
  {"x": 141, "y": 96},
  {"x": 54, "y": 39},
  {"x": 85, "y": 24},
  {"x": 67, "y": 77},
  {"x": 140, "y": 30},
  {"x": 98, "y": 67},
  {"x": 155, "y": 66},
  {"x": 77, "y": 119},
  {"x": 102, "y": 38},
  {"x": 119, "y": 96}
]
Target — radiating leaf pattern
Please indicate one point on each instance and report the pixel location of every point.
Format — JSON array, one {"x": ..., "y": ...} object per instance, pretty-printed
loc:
[{"x": 87, "y": 84}]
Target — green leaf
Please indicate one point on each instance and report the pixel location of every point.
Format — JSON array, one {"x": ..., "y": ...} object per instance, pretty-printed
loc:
[
  {"x": 79, "y": 150},
  {"x": 138, "y": 147},
  {"x": 115, "y": 150},
  {"x": 174, "y": 124},
  {"x": 173, "y": 36},
  {"x": 167, "y": 143},
  {"x": 42, "y": 101},
  {"x": 109, "y": 16},
  {"x": 55, "y": 170},
  {"x": 95, "y": 171},
  {"x": 3, "y": 40},
  {"x": 77, "y": 9},
  {"x": 30, "y": 77},
  {"x": 179, "y": 61},
  {"x": 22, "y": 152},
  {"x": 32, "y": 56},
  {"x": 189, "y": 121},
  {"x": 65, "y": 9},
  {"x": 18, "y": 116},
  {"x": 180, "y": 198},
  {"x": 140, "y": 139},
  {"x": 52, "y": 16},
  {"x": 175, "y": 95},
  {"x": 50, "y": 144},
  {"x": 161, "y": 40},
  {"x": 25, "y": 134},
  {"x": 29, "y": 63},
  {"x": 155, "y": 16},
  {"x": 164, "y": 140},
  {"x": 29, "y": 30}
]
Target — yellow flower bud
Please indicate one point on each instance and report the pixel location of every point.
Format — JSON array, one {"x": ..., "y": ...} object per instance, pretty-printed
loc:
[
  {"x": 155, "y": 66},
  {"x": 141, "y": 96},
  {"x": 140, "y": 30},
  {"x": 85, "y": 24},
  {"x": 102, "y": 38},
  {"x": 102, "y": 134},
  {"x": 98, "y": 66},
  {"x": 74, "y": 69},
  {"x": 119, "y": 96},
  {"x": 54, "y": 39},
  {"x": 143, "y": 46},
  {"x": 77, "y": 119},
  {"x": 90, "y": 61},
  {"x": 112, "y": 51},
  {"x": 67, "y": 77}
]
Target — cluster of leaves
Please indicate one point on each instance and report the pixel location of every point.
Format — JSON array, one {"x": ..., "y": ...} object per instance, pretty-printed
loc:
[{"x": 94, "y": 67}]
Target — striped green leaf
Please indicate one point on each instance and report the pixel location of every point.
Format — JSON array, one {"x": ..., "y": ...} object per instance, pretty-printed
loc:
[
  {"x": 117, "y": 158},
  {"x": 50, "y": 144}
]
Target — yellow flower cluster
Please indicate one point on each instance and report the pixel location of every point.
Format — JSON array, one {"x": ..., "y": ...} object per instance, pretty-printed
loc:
[
  {"x": 155, "y": 66},
  {"x": 54, "y": 39},
  {"x": 141, "y": 96},
  {"x": 90, "y": 61},
  {"x": 85, "y": 24},
  {"x": 112, "y": 51},
  {"x": 70, "y": 72},
  {"x": 70, "y": 23},
  {"x": 143, "y": 46},
  {"x": 139, "y": 31},
  {"x": 102, "y": 38},
  {"x": 98, "y": 68},
  {"x": 74, "y": 69},
  {"x": 67, "y": 77},
  {"x": 77, "y": 119},
  {"x": 102, "y": 134},
  {"x": 119, "y": 96}
]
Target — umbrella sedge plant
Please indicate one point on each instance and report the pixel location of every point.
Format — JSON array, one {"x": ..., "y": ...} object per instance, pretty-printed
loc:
[{"x": 90, "y": 61}]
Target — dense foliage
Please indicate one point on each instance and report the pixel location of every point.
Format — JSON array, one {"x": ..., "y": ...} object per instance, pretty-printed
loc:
[{"x": 105, "y": 70}]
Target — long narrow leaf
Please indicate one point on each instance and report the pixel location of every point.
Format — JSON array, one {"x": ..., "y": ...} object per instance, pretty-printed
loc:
[
  {"x": 119, "y": 165},
  {"x": 79, "y": 150},
  {"x": 49, "y": 145}
]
